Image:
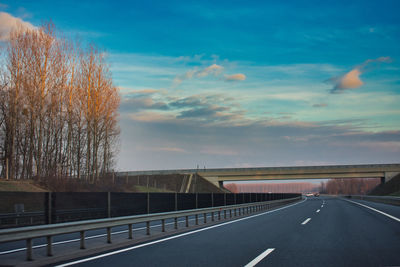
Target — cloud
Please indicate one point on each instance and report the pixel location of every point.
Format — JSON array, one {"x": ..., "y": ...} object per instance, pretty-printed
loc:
[
  {"x": 9, "y": 23},
  {"x": 171, "y": 149},
  {"x": 257, "y": 143},
  {"x": 207, "y": 108},
  {"x": 134, "y": 104},
  {"x": 235, "y": 77},
  {"x": 320, "y": 105},
  {"x": 214, "y": 70},
  {"x": 202, "y": 112},
  {"x": 351, "y": 80}
]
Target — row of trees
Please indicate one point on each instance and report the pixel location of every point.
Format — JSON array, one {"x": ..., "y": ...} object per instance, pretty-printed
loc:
[
  {"x": 294, "y": 187},
  {"x": 349, "y": 186},
  {"x": 58, "y": 108}
]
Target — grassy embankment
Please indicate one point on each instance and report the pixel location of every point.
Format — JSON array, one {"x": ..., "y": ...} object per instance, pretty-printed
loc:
[
  {"x": 33, "y": 186},
  {"x": 391, "y": 188}
]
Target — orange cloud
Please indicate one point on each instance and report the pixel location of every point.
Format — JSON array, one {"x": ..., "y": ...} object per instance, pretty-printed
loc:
[
  {"x": 235, "y": 77},
  {"x": 351, "y": 79}
]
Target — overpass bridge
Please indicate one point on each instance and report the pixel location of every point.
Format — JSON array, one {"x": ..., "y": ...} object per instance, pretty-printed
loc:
[{"x": 217, "y": 176}]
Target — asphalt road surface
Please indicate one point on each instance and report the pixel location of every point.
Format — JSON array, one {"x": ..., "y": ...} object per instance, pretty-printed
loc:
[{"x": 320, "y": 231}]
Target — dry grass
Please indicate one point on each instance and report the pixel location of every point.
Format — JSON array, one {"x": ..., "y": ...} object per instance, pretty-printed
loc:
[{"x": 20, "y": 186}]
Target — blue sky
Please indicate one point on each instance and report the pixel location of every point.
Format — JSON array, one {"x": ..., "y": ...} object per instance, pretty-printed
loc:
[{"x": 243, "y": 83}]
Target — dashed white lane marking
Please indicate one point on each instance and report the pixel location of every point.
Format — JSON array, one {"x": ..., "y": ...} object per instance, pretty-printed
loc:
[
  {"x": 322, "y": 206},
  {"x": 318, "y": 211},
  {"x": 259, "y": 258},
  {"x": 381, "y": 212},
  {"x": 172, "y": 237},
  {"x": 306, "y": 221}
]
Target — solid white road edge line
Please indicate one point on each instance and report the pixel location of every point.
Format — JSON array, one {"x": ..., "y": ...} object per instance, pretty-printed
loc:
[
  {"x": 381, "y": 212},
  {"x": 259, "y": 258},
  {"x": 172, "y": 237},
  {"x": 306, "y": 221},
  {"x": 318, "y": 211}
]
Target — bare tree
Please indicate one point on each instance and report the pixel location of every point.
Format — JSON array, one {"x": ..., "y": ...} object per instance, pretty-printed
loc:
[{"x": 59, "y": 107}]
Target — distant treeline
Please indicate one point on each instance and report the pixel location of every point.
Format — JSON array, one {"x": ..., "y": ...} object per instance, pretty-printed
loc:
[
  {"x": 349, "y": 186},
  {"x": 272, "y": 187},
  {"x": 58, "y": 107},
  {"x": 332, "y": 186}
]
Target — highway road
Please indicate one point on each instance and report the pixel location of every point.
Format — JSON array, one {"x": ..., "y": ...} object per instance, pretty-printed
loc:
[
  {"x": 324, "y": 231},
  {"x": 319, "y": 231}
]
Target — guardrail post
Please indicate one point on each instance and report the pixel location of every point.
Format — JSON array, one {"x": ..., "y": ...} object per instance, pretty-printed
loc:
[
  {"x": 29, "y": 249},
  {"x": 205, "y": 217},
  {"x": 230, "y": 213},
  {"x": 82, "y": 233},
  {"x": 163, "y": 225},
  {"x": 196, "y": 219},
  {"x": 176, "y": 223},
  {"x": 147, "y": 228},
  {"x": 49, "y": 246},
  {"x": 224, "y": 214},
  {"x": 109, "y": 235},
  {"x": 212, "y": 216},
  {"x": 219, "y": 215},
  {"x": 130, "y": 234},
  {"x": 187, "y": 221},
  {"x": 234, "y": 212},
  {"x": 240, "y": 211}
]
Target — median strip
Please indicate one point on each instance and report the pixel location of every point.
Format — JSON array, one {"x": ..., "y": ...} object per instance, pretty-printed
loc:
[{"x": 259, "y": 258}]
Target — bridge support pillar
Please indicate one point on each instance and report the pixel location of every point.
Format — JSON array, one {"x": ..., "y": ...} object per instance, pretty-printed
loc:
[{"x": 388, "y": 176}]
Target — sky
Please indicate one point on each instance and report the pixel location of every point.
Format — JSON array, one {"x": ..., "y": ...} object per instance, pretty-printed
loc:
[{"x": 219, "y": 84}]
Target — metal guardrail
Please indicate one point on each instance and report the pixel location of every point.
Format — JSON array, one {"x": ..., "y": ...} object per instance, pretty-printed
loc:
[
  {"x": 48, "y": 231},
  {"x": 381, "y": 199}
]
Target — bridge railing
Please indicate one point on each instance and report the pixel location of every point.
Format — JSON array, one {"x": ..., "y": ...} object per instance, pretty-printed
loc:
[
  {"x": 49, "y": 231},
  {"x": 381, "y": 199}
]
